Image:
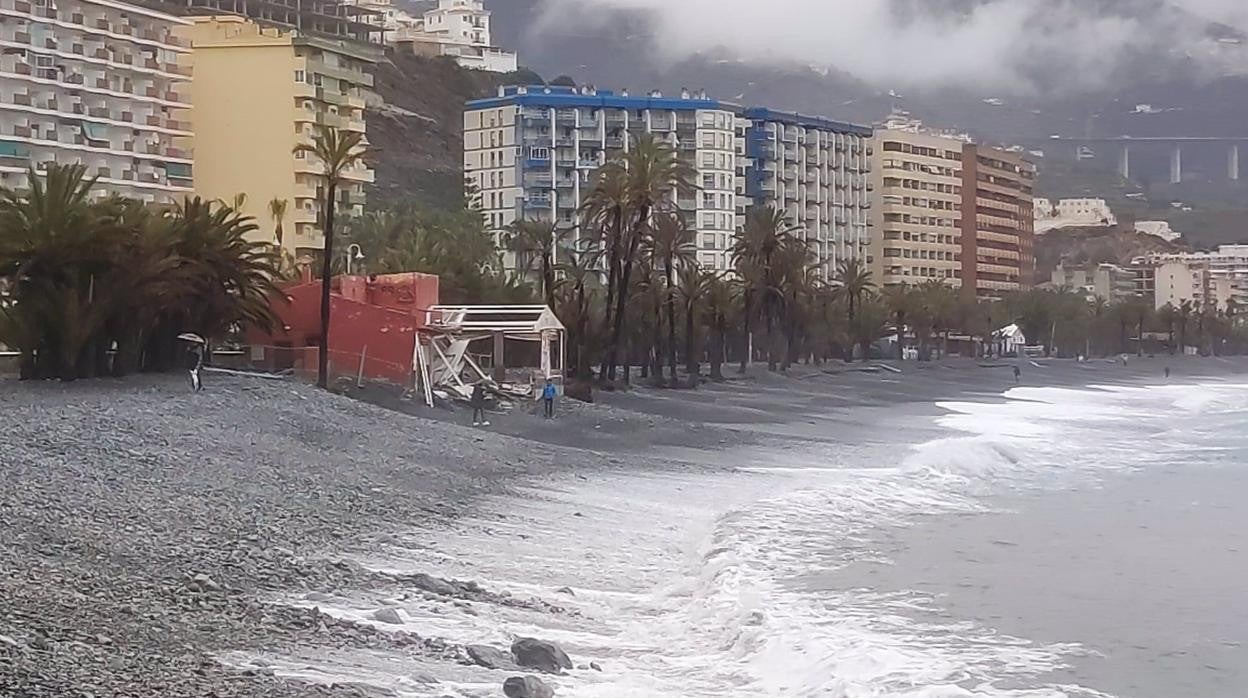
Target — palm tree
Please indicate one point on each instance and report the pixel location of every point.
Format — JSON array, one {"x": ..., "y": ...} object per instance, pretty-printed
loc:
[
  {"x": 337, "y": 151},
  {"x": 900, "y": 300},
  {"x": 721, "y": 300},
  {"x": 1184, "y": 313},
  {"x": 277, "y": 212},
  {"x": 853, "y": 281},
  {"x": 695, "y": 284},
  {"x": 81, "y": 276},
  {"x": 606, "y": 211},
  {"x": 535, "y": 243},
  {"x": 577, "y": 273},
  {"x": 654, "y": 173},
  {"x": 672, "y": 243},
  {"x": 1169, "y": 316},
  {"x": 765, "y": 233}
]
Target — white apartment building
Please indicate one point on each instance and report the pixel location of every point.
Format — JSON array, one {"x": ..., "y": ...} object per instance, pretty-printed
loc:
[
  {"x": 817, "y": 172},
  {"x": 457, "y": 28},
  {"x": 531, "y": 152},
  {"x": 94, "y": 82},
  {"x": 1204, "y": 278}
]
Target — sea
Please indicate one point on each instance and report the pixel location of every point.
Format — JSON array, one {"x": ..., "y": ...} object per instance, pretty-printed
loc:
[{"x": 1059, "y": 542}]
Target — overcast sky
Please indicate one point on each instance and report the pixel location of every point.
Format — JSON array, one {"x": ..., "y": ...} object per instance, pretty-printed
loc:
[{"x": 1010, "y": 45}]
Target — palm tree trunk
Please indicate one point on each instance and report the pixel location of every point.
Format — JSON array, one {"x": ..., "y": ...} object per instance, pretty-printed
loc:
[
  {"x": 613, "y": 276},
  {"x": 717, "y": 350},
  {"x": 548, "y": 280},
  {"x": 671, "y": 323},
  {"x": 322, "y": 367},
  {"x": 745, "y": 335},
  {"x": 691, "y": 361},
  {"x": 621, "y": 301}
]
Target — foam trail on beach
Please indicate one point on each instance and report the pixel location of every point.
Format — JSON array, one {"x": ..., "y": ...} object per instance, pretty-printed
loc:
[{"x": 687, "y": 585}]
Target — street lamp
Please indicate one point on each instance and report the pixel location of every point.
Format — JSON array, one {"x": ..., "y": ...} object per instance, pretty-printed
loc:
[{"x": 353, "y": 256}]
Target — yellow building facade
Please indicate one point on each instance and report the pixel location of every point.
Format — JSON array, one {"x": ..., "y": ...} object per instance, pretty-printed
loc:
[{"x": 256, "y": 93}]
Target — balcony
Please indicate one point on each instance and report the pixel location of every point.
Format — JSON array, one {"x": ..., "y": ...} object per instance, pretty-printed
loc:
[{"x": 98, "y": 112}]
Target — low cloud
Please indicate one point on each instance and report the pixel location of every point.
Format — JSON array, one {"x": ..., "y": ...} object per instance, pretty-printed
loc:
[{"x": 1009, "y": 45}]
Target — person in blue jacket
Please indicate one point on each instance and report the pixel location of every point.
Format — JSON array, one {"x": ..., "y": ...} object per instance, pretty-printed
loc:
[{"x": 548, "y": 398}]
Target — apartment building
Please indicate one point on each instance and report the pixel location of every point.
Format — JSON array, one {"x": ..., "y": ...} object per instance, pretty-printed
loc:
[
  {"x": 1218, "y": 278},
  {"x": 1106, "y": 282},
  {"x": 257, "y": 92},
  {"x": 997, "y": 221},
  {"x": 99, "y": 83},
  {"x": 531, "y": 153},
  {"x": 817, "y": 172},
  {"x": 918, "y": 184}
]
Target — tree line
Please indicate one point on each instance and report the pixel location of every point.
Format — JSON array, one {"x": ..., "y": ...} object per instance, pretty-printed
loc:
[
  {"x": 92, "y": 286},
  {"x": 95, "y": 286}
]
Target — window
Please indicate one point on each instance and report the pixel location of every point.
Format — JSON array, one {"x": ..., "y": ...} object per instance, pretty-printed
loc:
[{"x": 299, "y": 76}]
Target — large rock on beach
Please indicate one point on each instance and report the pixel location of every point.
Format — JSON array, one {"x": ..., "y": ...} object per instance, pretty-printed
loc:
[
  {"x": 491, "y": 657},
  {"x": 527, "y": 687},
  {"x": 541, "y": 655},
  {"x": 388, "y": 615}
]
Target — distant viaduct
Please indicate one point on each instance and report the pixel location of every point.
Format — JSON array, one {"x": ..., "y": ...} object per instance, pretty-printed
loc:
[{"x": 1176, "y": 143}]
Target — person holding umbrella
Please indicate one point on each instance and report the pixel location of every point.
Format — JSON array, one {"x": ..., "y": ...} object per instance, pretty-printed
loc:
[{"x": 198, "y": 347}]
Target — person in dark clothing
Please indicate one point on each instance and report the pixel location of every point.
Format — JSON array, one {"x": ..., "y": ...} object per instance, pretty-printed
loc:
[
  {"x": 1018, "y": 373},
  {"x": 548, "y": 398},
  {"x": 478, "y": 405},
  {"x": 197, "y": 380}
]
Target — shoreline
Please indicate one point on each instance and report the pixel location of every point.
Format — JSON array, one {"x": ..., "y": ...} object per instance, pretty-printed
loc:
[{"x": 123, "y": 493}]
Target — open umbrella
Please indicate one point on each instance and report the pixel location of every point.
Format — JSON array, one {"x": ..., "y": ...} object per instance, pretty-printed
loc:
[{"x": 192, "y": 338}]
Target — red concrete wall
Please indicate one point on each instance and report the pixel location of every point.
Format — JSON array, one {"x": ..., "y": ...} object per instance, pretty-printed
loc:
[
  {"x": 371, "y": 318},
  {"x": 410, "y": 293}
]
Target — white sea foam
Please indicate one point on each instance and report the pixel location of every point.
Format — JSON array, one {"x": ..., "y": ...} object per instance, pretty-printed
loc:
[{"x": 692, "y": 585}]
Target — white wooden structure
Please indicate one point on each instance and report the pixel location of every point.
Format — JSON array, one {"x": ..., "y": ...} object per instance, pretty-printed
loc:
[{"x": 442, "y": 360}]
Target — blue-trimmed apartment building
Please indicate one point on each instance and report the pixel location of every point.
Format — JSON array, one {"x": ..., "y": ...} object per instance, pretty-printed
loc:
[
  {"x": 818, "y": 172},
  {"x": 531, "y": 152}
]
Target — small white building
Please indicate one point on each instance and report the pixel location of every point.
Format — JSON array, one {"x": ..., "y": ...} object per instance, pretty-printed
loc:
[
  {"x": 1008, "y": 341},
  {"x": 461, "y": 29},
  {"x": 1159, "y": 229},
  {"x": 1067, "y": 213}
]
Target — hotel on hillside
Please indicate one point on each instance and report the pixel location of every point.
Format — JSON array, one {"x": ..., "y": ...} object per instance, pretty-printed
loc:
[
  {"x": 96, "y": 83},
  {"x": 532, "y": 152}
]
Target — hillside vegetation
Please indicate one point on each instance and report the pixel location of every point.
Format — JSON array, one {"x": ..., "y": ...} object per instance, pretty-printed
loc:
[{"x": 416, "y": 130}]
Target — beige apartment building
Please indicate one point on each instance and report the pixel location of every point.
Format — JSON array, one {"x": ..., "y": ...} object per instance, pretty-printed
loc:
[
  {"x": 257, "y": 92},
  {"x": 917, "y": 182},
  {"x": 98, "y": 83}
]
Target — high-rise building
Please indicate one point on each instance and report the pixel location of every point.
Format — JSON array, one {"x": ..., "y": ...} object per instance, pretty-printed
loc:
[
  {"x": 998, "y": 222},
  {"x": 259, "y": 91},
  {"x": 954, "y": 211},
  {"x": 918, "y": 185},
  {"x": 531, "y": 153},
  {"x": 96, "y": 83},
  {"x": 817, "y": 172}
]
